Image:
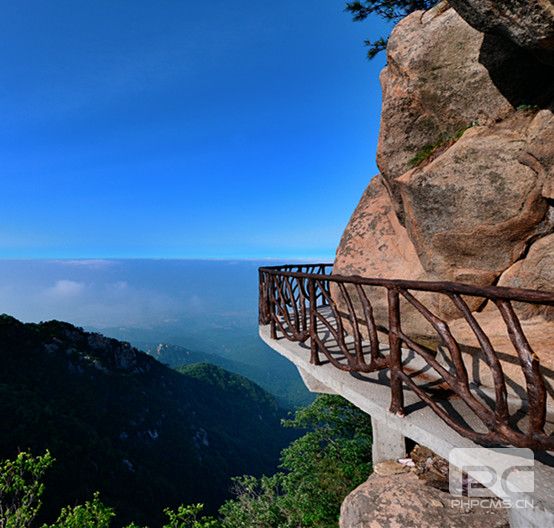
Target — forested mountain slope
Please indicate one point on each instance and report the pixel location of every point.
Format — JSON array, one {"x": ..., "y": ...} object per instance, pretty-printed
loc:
[{"x": 118, "y": 421}]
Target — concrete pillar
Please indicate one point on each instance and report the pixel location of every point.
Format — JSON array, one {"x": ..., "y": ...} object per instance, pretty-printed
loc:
[{"x": 388, "y": 444}]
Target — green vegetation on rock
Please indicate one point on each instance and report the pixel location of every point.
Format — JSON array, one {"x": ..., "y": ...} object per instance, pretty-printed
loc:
[
  {"x": 428, "y": 151},
  {"x": 528, "y": 108}
]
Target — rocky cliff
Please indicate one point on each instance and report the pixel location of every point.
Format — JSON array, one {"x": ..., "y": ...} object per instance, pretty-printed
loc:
[{"x": 466, "y": 150}]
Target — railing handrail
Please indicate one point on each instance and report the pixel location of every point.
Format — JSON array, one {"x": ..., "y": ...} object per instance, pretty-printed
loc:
[
  {"x": 292, "y": 298},
  {"x": 492, "y": 292},
  {"x": 303, "y": 265}
]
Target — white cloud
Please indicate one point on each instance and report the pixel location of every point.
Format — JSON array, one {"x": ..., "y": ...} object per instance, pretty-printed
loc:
[
  {"x": 66, "y": 288},
  {"x": 86, "y": 263}
]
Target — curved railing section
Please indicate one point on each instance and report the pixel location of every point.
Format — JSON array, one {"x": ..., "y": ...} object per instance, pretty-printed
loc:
[{"x": 337, "y": 315}]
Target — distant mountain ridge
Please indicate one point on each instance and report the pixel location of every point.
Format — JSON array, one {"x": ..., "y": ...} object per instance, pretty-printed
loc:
[
  {"x": 289, "y": 391},
  {"x": 119, "y": 421},
  {"x": 177, "y": 356}
]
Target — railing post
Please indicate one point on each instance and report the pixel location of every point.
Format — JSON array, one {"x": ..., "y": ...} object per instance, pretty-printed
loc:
[
  {"x": 271, "y": 306},
  {"x": 262, "y": 301},
  {"x": 304, "y": 314},
  {"x": 314, "y": 349},
  {"x": 395, "y": 352}
]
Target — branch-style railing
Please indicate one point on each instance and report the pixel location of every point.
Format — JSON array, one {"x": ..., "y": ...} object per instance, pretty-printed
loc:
[{"x": 337, "y": 315}]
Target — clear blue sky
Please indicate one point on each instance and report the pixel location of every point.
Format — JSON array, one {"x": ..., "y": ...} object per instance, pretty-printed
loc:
[{"x": 179, "y": 128}]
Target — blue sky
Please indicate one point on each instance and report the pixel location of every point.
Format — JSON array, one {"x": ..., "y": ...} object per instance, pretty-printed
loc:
[{"x": 178, "y": 128}]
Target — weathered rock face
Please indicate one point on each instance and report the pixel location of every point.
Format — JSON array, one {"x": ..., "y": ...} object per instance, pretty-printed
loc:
[
  {"x": 466, "y": 154},
  {"x": 471, "y": 212},
  {"x": 535, "y": 271},
  {"x": 374, "y": 243},
  {"x": 403, "y": 500},
  {"x": 433, "y": 86},
  {"x": 540, "y": 141},
  {"x": 529, "y": 24},
  {"x": 443, "y": 76}
]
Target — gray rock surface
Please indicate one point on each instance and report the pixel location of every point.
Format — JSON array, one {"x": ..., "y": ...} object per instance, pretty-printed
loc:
[
  {"x": 529, "y": 23},
  {"x": 471, "y": 212},
  {"x": 403, "y": 500}
]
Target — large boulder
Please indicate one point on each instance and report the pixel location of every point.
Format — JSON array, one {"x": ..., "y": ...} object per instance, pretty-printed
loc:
[
  {"x": 374, "y": 244},
  {"x": 466, "y": 153},
  {"x": 404, "y": 500},
  {"x": 419, "y": 102},
  {"x": 471, "y": 212},
  {"x": 530, "y": 23},
  {"x": 540, "y": 145},
  {"x": 441, "y": 77}
]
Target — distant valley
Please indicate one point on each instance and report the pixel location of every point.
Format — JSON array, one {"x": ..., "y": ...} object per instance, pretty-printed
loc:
[{"x": 289, "y": 391}]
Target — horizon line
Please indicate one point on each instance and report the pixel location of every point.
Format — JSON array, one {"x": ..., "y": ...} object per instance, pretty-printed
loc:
[{"x": 215, "y": 259}]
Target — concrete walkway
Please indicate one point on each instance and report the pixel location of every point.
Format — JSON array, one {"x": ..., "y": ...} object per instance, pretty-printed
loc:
[{"x": 371, "y": 393}]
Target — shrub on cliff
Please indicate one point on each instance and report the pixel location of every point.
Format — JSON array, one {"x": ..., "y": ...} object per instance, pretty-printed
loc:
[{"x": 390, "y": 10}]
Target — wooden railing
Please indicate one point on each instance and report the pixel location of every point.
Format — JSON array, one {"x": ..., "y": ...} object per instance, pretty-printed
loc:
[{"x": 337, "y": 315}]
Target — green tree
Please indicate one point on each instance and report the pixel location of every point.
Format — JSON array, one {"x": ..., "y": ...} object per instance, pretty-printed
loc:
[
  {"x": 259, "y": 503},
  {"x": 21, "y": 487},
  {"x": 92, "y": 514},
  {"x": 319, "y": 470},
  {"x": 189, "y": 517},
  {"x": 390, "y": 10}
]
